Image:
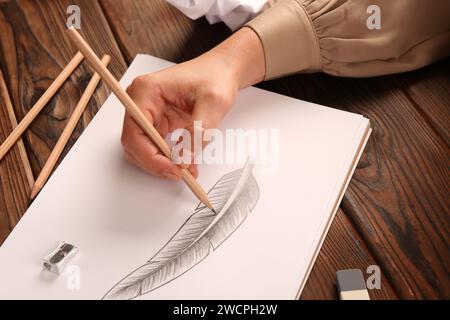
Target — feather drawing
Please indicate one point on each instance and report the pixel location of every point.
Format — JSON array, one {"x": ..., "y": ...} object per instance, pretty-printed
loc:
[{"x": 234, "y": 196}]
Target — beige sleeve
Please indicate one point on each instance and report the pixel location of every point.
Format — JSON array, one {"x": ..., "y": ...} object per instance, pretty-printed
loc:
[{"x": 333, "y": 36}]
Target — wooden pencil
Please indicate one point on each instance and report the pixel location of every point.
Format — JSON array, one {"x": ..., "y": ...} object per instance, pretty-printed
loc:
[
  {"x": 39, "y": 105},
  {"x": 134, "y": 111},
  {"x": 13, "y": 121},
  {"x": 67, "y": 132}
]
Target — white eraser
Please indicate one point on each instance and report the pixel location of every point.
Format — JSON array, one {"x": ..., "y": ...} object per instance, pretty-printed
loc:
[{"x": 351, "y": 285}]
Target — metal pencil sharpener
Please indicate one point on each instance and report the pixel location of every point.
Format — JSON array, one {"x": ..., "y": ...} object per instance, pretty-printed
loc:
[{"x": 57, "y": 260}]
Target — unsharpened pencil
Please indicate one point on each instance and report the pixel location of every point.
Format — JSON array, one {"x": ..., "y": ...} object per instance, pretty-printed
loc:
[
  {"x": 134, "y": 111},
  {"x": 40, "y": 104},
  {"x": 67, "y": 132}
]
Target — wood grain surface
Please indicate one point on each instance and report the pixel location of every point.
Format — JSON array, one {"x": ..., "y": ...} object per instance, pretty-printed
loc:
[
  {"x": 429, "y": 90},
  {"x": 156, "y": 28},
  {"x": 342, "y": 237},
  {"x": 15, "y": 170},
  {"x": 398, "y": 199},
  {"x": 395, "y": 213},
  {"x": 34, "y": 51},
  {"x": 9, "y": 109}
]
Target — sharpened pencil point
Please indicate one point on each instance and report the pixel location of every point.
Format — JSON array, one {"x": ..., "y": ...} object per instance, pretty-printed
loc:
[{"x": 207, "y": 203}]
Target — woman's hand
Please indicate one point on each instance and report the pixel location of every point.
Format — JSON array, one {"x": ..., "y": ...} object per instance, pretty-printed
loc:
[{"x": 203, "y": 89}]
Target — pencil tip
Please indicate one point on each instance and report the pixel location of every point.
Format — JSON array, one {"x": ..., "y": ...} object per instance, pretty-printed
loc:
[{"x": 209, "y": 205}]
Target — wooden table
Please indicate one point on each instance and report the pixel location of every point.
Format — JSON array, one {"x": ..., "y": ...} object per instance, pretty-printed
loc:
[{"x": 395, "y": 213}]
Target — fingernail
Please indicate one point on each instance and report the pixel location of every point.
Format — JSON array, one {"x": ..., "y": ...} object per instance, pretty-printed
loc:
[
  {"x": 194, "y": 171},
  {"x": 170, "y": 175}
]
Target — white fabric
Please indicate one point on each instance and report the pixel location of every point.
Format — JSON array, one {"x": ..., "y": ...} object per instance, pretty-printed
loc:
[{"x": 234, "y": 13}]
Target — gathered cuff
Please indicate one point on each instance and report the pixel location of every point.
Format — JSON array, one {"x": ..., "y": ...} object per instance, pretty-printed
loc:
[{"x": 288, "y": 38}]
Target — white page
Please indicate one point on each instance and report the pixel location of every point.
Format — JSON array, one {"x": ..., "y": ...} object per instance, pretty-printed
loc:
[{"x": 120, "y": 217}]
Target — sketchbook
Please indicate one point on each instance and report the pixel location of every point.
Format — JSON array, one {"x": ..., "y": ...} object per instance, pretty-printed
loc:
[{"x": 140, "y": 237}]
